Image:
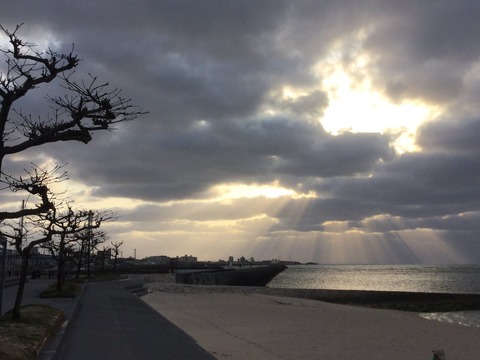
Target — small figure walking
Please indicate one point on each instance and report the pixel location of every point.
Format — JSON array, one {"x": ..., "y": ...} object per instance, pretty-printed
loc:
[{"x": 438, "y": 355}]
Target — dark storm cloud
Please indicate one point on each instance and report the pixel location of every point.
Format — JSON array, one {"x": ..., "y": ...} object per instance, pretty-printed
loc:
[
  {"x": 416, "y": 185},
  {"x": 424, "y": 190},
  {"x": 192, "y": 59},
  {"x": 467, "y": 222},
  {"x": 177, "y": 164},
  {"x": 342, "y": 155},
  {"x": 425, "y": 48},
  {"x": 451, "y": 135},
  {"x": 209, "y": 72}
]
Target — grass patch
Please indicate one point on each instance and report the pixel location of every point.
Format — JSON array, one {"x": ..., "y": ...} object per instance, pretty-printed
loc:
[
  {"x": 70, "y": 290},
  {"x": 22, "y": 339}
]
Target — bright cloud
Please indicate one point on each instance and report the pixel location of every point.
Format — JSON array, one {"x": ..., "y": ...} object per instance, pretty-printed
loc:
[{"x": 355, "y": 105}]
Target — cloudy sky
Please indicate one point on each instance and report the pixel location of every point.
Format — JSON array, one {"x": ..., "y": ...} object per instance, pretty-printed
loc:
[{"x": 328, "y": 131}]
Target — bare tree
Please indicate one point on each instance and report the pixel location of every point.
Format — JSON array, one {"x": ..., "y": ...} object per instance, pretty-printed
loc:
[
  {"x": 64, "y": 225},
  {"x": 87, "y": 241},
  {"x": 37, "y": 184},
  {"x": 116, "y": 251},
  {"x": 87, "y": 106},
  {"x": 79, "y": 251}
]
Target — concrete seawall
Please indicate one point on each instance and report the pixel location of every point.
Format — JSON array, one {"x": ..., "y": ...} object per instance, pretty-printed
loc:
[{"x": 253, "y": 276}]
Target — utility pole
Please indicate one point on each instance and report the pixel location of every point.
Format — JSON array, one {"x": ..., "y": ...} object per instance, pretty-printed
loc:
[
  {"x": 135, "y": 253},
  {"x": 20, "y": 231},
  {"x": 3, "y": 242},
  {"x": 89, "y": 241}
]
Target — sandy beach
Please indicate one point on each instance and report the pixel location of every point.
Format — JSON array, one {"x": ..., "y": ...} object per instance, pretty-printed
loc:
[{"x": 242, "y": 323}]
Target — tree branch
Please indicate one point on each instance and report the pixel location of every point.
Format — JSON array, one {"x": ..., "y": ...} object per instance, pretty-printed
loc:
[{"x": 37, "y": 183}]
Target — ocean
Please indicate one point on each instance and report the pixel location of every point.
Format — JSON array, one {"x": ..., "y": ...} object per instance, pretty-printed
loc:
[{"x": 460, "y": 279}]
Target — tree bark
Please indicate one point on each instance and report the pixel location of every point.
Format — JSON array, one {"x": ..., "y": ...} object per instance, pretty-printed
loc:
[
  {"x": 21, "y": 286},
  {"x": 80, "y": 258},
  {"x": 61, "y": 265}
]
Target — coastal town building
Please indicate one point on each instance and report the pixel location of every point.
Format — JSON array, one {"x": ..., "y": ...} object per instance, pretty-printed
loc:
[
  {"x": 158, "y": 260},
  {"x": 186, "y": 259}
]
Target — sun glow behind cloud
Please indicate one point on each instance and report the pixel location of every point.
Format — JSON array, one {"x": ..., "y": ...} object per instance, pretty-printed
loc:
[
  {"x": 355, "y": 105},
  {"x": 238, "y": 190}
]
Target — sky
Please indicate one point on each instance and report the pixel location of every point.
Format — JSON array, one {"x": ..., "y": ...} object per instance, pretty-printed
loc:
[{"x": 334, "y": 131}]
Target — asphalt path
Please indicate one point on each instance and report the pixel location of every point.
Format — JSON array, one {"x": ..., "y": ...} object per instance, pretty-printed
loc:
[
  {"x": 113, "y": 323},
  {"x": 32, "y": 290}
]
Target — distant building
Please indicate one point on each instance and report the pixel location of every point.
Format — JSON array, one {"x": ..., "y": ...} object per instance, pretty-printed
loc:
[
  {"x": 244, "y": 260},
  {"x": 187, "y": 259},
  {"x": 158, "y": 260},
  {"x": 105, "y": 254}
]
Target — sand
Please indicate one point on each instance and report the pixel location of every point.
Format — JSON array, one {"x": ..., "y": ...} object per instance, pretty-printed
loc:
[{"x": 242, "y": 323}]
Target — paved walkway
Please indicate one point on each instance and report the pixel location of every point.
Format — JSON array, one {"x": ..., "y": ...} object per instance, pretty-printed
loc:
[
  {"x": 32, "y": 290},
  {"x": 109, "y": 321},
  {"x": 113, "y": 323}
]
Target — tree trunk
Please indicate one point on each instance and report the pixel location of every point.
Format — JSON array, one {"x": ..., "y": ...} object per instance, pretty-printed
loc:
[
  {"x": 61, "y": 265},
  {"x": 79, "y": 269},
  {"x": 88, "y": 259},
  {"x": 102, "y": 269},
  {"x": 21, "y": 286},
  {"x": 80, "y": 259}
]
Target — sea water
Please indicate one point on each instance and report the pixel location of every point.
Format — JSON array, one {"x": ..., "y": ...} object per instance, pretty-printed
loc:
[{"x": 460, "y": 279}]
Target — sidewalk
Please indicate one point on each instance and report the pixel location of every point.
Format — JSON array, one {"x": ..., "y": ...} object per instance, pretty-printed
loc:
[
  {"x": 32, "y": 290},
  {"x": 108, "y": 321},
  {"x": 111, "y": 322}
]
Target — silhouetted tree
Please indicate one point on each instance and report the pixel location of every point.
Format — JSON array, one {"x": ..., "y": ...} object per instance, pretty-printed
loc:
[
  {"x": 116, "y": 251},
  {"x": 87, "y": 106},
  {"x": 36, "y": 183},
  {"x": 65, "y": 226},
  {"x": 87, "y": 241}
]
